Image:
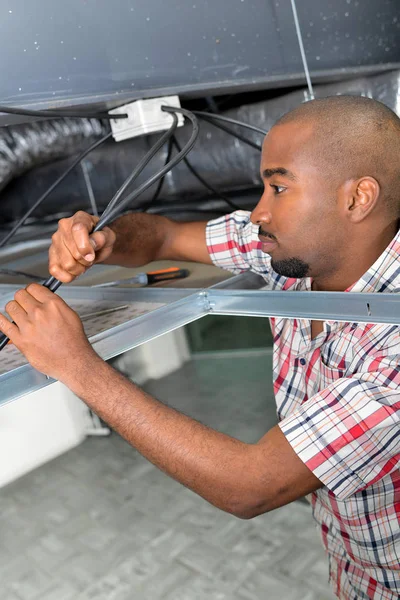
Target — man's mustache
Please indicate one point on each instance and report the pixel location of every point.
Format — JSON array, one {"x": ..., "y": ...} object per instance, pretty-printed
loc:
[{"x": 264, "y": 233}]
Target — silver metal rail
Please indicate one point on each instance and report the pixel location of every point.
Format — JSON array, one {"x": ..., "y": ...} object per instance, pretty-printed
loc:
[
  {"x": 178, "y": 307},
  {"x": 322, "y": 306}
]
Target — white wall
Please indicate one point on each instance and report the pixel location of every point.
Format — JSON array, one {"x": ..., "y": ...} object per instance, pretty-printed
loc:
[
  {"x": 39, "y": 426},
  {"x": 156, "y": 358}
]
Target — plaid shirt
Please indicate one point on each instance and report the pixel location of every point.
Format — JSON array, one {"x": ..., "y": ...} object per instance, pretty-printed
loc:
[{"x": 338, "y": 405}]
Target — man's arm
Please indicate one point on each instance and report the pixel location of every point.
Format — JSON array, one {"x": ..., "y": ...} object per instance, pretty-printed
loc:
[
  {"x": 142, "y": 238},
  {"x": 243, "y": 479},
  {"x": 131, "y": 241}
]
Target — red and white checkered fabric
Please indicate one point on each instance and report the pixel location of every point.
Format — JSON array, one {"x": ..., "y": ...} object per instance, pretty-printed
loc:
[{"x": 338, "y": 404}]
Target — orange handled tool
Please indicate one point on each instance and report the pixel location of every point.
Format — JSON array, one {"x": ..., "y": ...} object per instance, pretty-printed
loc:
[
  {"x": 165, "y": 274},
  {"x": 151, "y": 277}
]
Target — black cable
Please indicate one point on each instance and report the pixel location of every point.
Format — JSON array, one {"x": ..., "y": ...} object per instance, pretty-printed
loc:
[
  {"x": 203, "y": 114},
  {"x": 161, "y": 182},
  {"x": 13, "y": 273},
  {"x": 207, "y": 116},
  {"x": 143, "y": 163},
  {"x": 43, "y": 197},
  {"x": 154, "y": 178},
  {"x": 203, "y": 181},
  {"x": 54, "y": 113},
  {"x": 51, "y": 282},
  {"x": 233, "y": 133}
]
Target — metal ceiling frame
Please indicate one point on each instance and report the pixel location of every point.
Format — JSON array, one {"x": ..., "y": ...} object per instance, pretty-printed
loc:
[{"x": 182, "y": 306}]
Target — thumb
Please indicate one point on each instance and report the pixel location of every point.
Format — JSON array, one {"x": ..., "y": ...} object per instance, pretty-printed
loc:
[{"x": 97, "y": 240}]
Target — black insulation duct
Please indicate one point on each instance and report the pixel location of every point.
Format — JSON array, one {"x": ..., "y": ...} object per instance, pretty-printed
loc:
[
  {"x": 29, "y": 145},
  {"x": 38, "y": 151}
]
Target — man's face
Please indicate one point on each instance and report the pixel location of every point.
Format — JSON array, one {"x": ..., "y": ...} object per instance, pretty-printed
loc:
[{"x": 297, "y": 214}]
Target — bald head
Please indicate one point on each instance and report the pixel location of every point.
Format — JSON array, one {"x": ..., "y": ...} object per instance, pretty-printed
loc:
[{"x": 352, "y": 137}]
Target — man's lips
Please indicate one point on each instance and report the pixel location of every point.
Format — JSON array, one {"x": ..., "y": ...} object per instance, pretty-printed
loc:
[
  {"x": 268, "y": 245},
  {"x": 267, "y": 242}
]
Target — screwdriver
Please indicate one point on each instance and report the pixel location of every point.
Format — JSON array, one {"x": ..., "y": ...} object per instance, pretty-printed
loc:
[{"x": 150, "y": 277}]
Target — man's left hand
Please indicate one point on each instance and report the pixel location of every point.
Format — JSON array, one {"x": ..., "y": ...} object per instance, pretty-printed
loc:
[{"x": 47, "y": 331}]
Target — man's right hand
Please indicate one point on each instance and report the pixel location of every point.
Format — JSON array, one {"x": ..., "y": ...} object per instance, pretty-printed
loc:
[{"x": 73, "y": 250}]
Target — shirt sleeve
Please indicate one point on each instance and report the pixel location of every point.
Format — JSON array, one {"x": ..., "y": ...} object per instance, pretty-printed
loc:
[
  {"x": 348, "y": 434},
  {"x": 233, "y": 244}
]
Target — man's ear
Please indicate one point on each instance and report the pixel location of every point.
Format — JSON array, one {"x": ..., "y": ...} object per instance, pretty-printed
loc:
[{"x": 360, "y": 197}]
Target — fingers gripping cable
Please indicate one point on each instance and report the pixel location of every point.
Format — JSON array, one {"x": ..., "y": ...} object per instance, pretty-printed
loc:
[{"x": 117, "y": 204}]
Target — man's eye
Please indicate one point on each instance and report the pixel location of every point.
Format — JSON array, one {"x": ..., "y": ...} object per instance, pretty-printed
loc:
[{"x": 278, "y": 189}]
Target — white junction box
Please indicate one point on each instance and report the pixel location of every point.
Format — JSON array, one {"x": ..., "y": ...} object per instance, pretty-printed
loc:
[{"x": 144, "y": 116}]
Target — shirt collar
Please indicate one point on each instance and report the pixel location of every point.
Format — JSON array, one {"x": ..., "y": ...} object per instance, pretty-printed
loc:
[{"x": 384, "y": 274}]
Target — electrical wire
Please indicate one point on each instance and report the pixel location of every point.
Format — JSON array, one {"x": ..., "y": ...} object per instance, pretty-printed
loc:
[
  {"x": 161, "y": 182},
  {"x": 215, "y": 117},
  {"x": 157, "y": 176},
  {"x": 205, "y": 115},
  {"x": 203, "y": 181},
  {"x": 233, "y": 133},
  {"x": 43, "y": 197},
  {"x": 143, "y": 163},
  {"x": 52, "y": 283},
  {"x": 116, "y": 206},
  {"x": 54, "y": 113},
  {"x": 56, "y": 217}
]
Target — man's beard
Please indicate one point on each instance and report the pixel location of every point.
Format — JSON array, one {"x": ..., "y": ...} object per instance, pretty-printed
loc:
[{"x": 291, "y": 267}]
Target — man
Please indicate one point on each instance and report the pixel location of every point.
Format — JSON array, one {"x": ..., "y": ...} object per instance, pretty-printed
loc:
[{"x": 327, "y": 220}]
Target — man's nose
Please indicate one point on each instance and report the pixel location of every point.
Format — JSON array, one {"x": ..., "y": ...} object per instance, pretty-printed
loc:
[{"x": 261, "y": 213}]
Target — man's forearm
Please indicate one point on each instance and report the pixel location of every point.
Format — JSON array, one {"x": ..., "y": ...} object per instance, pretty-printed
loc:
[
  {"x": 212, "y": 464},
  {"x": 139, "y": 239}
]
